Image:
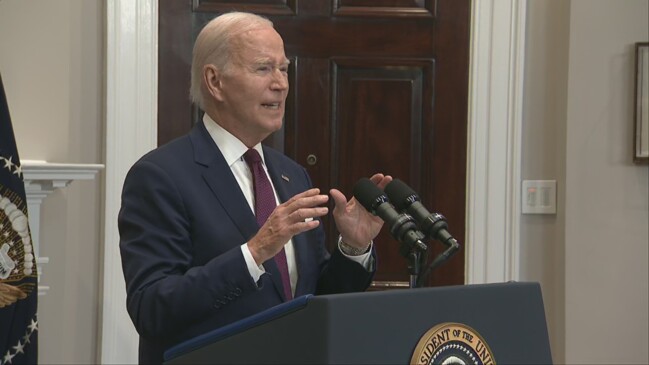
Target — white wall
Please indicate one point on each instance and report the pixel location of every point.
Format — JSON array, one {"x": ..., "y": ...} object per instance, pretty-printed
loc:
[
  {"x": 591, "y": 257},
  {"x": 51, "y": 60},
  {"x": 543, "y": 155},
  {"x": 607, "y": 196}
]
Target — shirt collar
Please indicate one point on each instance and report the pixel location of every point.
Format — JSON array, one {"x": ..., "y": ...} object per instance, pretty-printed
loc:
[{"x": 231, "y": 147}]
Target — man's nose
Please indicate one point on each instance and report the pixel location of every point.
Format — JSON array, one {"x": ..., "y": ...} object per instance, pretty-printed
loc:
[{"x": 280, "y": 80}]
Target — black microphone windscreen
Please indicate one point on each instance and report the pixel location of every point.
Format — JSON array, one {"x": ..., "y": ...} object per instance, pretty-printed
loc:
[
  {"x": 368, "y": 194},
  {"x": 401, "y": 195}
]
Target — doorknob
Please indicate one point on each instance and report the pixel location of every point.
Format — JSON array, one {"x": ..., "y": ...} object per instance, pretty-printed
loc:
[{"x": 311, "y": 160}]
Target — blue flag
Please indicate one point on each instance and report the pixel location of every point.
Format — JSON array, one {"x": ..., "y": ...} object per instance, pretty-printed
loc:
[{"x": 18, "y": 279}]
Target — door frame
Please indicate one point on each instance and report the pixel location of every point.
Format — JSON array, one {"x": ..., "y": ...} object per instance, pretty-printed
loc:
[{"x": 492, "y": 240}]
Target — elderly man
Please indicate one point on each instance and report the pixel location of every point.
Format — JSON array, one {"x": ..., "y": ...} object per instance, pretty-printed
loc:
[{"x": 215, "y": 227}]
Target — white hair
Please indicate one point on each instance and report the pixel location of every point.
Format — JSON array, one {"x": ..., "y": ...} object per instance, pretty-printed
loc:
[{"x": 215, "y": 45}]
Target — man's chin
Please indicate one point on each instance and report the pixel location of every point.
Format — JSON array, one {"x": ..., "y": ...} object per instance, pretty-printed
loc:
[
  {"x": 271, "y": 128},
  {"x": 275, "y": 125}
]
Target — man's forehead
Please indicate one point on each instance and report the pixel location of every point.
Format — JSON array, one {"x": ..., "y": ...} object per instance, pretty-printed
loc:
[
  {"x": 261, "y": 35},
  {"x": 270, "y": 60},
  {"x": 257, "y": 44}
]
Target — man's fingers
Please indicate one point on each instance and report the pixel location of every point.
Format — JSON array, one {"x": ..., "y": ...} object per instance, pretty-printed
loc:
[
  {"x": 303, "y": 214},
  {"x": 305, "y": 194},
  {"x": 290, "y": 218},
  {"x": 305, "y": 200},
  {"x": 339, "y": 199},
  {"x": 381, "y": 180},
  {"x": 271, "y": 238},
  {"x": 304, "y": 226}
]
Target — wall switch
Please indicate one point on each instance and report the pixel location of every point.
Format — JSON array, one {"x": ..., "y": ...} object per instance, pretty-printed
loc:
[{"x": 539, "y": 197}]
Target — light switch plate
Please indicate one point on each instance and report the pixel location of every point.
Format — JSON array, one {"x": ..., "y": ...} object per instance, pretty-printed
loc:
[{"x": 539, "y": 197}]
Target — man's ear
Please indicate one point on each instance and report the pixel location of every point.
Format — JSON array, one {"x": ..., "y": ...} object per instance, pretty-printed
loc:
[{"x": 213, "y": 83}]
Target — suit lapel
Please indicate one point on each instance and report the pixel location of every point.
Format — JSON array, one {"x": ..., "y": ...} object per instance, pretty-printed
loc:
[
  {"x": 281, "y": 179},
  {"x": 221, "y": 181}
]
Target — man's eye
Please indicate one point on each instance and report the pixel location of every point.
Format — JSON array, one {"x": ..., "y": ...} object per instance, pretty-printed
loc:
[{"x": 263, "y": 68}]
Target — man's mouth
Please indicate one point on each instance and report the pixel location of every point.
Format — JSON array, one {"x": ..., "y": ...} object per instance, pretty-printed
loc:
[{"x": 271, "y": 105}]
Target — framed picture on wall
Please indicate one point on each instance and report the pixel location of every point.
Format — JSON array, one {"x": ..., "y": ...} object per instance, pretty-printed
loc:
[{"x": 641, "y": 115}]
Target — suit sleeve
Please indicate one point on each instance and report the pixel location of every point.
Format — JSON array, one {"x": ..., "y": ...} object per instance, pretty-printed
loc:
[
  {"x": 342, "y": 275},
  {"x": 166, "y": 292}
]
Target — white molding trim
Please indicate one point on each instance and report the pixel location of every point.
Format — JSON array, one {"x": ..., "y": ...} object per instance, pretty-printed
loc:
[
  {"x": 51, "y": 175},
  {"x": 41, "y": 178},
  {"x": 494, "y": 145},
  {"x": 131, "y": 131}
]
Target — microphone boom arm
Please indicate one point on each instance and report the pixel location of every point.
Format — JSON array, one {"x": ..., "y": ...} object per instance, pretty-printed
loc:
[{"x": 454, "y": 246}]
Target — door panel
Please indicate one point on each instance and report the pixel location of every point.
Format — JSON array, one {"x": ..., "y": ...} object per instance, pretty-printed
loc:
[
  {"x": 378, "y": 123},
  {"x": 376, "y": 86}
]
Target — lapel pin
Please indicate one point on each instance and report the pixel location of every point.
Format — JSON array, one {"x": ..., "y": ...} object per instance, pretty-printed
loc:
[{"x": 285, "y": 178}]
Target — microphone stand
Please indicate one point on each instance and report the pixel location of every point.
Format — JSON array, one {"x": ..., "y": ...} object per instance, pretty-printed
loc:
[
  {"x": 416, "y": 260},
  {"x": 413, "y": 250},
  {"x": 413, "y": 267}
]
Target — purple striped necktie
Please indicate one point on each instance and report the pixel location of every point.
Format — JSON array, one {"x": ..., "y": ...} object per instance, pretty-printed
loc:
[{"x": 264, "y": 206}]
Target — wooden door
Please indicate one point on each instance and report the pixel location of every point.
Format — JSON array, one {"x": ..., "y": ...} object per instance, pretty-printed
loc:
[{"x": 376, "y": 86}]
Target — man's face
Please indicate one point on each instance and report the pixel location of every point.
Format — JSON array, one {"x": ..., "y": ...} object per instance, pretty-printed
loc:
[{"x": 255, "y": 87}]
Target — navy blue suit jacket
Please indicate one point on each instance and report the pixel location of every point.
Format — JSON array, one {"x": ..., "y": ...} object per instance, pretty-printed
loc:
[{"x": 182, "y": 222}]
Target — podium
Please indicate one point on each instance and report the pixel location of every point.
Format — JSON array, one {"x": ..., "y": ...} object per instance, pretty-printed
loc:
[{"x": 505, "y": 324}]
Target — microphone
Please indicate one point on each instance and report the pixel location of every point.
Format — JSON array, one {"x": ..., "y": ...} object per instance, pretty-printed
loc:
[
  {"x": 432, "y": 225},
  {"x": 402, "y": 226}
]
